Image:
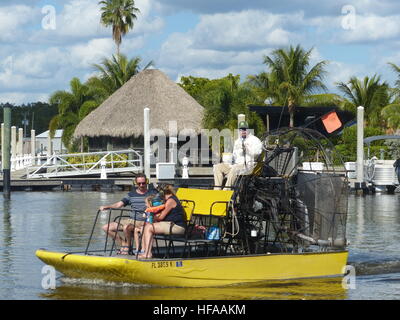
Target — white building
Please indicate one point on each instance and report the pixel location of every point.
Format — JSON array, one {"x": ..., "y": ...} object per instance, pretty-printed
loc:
[{"x": 42, "y": 143}]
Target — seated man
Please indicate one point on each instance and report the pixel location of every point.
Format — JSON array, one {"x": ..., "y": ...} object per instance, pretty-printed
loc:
[{"x": 246, "y": 148}]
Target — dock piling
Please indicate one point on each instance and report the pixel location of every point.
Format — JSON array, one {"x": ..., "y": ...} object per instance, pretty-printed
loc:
[
  {"x": 7, "y": 152},
  {"x": 146, "y": 117},
  {"x": 360, "y": 182}
]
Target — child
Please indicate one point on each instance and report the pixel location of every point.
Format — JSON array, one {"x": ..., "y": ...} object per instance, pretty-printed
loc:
[{"x": 154, "y": 206}]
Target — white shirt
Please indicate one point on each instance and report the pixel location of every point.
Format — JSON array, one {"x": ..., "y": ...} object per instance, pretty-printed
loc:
[{"x": 253, "y": 147}]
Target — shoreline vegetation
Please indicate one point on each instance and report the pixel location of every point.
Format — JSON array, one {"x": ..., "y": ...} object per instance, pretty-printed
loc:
[{"x": 289, "y": 80}]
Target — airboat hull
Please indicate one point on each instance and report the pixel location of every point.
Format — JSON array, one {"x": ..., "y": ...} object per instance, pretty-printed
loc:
[{"x": 198, "y": 272}]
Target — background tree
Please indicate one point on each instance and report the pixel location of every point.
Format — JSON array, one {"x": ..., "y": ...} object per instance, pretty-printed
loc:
[
  {"x": 72, "y": 106},
  {"x": 120, "y": 14},
  {"x": 391, "y": 112},
  {"x": 291, "y": 79},
  {"x": 114, "y": 73},
  {"x": 370, "y": 93},
  {"x": 396, "y": 69},
  {"x": 194, "y": 85},
  {"x": 38, "y": 115},
  {"x": 225, "y": 98},
  {"x": 391, "y": 115},
  {"x": 347, "y": 143},
  {"x": 261, "y": 85}
]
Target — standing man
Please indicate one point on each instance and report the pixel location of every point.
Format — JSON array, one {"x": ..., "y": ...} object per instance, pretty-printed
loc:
[
  {"x": 246, "y": 148},
  {"x": 136, "y": 199}
]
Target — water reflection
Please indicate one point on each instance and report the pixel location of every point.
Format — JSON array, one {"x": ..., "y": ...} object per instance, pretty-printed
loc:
[
  {"x": 374, "y": 224},
  {"x": 77, "y": 213},
  {"x": 7, "y": 238},
  {"x": 360, "y": 220},
  {"x": 6, "y": 252},
  {"x": 308, "y": 289}
]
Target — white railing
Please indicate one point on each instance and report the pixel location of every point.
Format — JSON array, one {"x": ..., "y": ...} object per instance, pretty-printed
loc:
[
  {"x": 90, "y": 163},
  {"x": 20, "y": 162}
]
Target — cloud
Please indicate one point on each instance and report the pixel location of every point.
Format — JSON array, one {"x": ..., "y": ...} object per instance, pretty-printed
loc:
[
  {"x": 76, "y": 20},
  {"x": 233, "y": 42},
  {"x": 353, "y": 27},
  {"x": 244, "y": 30},
  {"x": 83, "y": 55},
  {"x": 40, "y": 63},
  {"x": 13, "y": 19},
  {"x": 50, "y": 69},
  {"x": 14, "y": 81},
  {"x": 80, "y": 20},
  {"x": 342, "y": 72},
  {"x": 382, "y": 7},
  {"x": 179, "y": 57},
  {"x": 369, "y": 28},
  {"x": 146, "y": 22}
]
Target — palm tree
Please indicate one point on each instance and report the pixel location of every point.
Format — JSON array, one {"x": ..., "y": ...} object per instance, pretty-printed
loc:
[
  {"x": 73, "y": 106},
  {"x": 114, "y": 73},
  {"x": 119, "y": 14},
  {"x": 224, "y": 99},
  {"x": 369, "y": 93},
  {"x": 261, "y": 84},
  {"x": 291, "y": 78},
  {"x": 391, "y": 112},
  {"x": 324, "y": 99},
  {"x": 396, "y": 69}
]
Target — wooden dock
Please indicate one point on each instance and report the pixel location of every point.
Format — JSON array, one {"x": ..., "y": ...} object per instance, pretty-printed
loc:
[{"x": 198, "y": 177}]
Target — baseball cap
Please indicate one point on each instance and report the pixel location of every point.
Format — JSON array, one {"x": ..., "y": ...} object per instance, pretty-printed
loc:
[{"x": 243, "y": 125}]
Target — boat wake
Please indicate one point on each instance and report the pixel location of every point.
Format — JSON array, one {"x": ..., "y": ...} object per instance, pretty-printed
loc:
[
  {"x": 101, "y": 283},
  {"x": 376, "y": 267}
]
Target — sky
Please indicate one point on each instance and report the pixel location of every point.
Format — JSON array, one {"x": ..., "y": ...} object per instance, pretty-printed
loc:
[{"x": 45, "y": 43}]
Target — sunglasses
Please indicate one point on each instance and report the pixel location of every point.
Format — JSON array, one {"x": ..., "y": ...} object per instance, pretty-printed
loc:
[
  {"x": 243, "y": 129},
  {"x": 141, "y": 183}
]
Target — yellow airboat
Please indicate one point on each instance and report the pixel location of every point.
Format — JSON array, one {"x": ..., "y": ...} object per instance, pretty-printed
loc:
[{"x": 283, "y": 221}]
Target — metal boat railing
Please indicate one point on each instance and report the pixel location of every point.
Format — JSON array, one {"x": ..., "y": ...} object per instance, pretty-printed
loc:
[
  {"x": 123, "y": 213},
  {"x": 168, "y": 250}
]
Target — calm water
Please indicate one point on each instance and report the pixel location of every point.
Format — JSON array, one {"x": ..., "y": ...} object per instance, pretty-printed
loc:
[{"x": 62, "y": 221}]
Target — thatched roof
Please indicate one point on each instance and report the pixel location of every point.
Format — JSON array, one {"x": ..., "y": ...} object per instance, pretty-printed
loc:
[{"x": 121, "y": 115}]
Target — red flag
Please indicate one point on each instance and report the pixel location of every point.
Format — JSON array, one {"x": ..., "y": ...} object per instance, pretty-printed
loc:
[{"x": 331, "y": 121}]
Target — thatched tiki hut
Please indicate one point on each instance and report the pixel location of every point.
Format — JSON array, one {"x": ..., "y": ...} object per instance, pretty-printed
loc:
[{"x": 118, "y": 122}]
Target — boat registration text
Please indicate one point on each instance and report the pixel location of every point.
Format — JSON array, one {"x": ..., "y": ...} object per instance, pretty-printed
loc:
[{"x": 166, "y": 264}]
